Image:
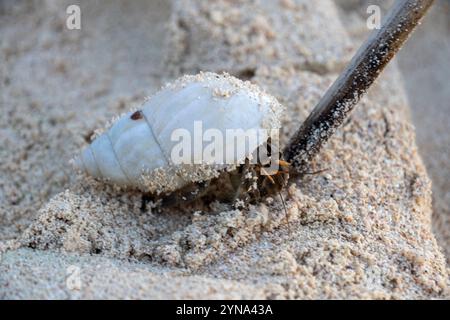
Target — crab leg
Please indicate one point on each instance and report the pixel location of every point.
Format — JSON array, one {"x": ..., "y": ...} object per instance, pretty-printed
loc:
[{"x": 354, "y": 81}]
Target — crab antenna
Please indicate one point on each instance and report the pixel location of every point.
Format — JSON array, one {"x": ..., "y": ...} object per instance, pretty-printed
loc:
[
  {"x": 285, "y": 211},
  {"x": 354, "y": 81}
]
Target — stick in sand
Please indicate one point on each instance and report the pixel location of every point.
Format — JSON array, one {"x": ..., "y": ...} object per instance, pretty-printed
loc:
[{"x": 354, "y": 81}]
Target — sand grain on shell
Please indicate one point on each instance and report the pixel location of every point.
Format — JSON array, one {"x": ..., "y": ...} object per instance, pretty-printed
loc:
[{"x": 360, "y": 229}]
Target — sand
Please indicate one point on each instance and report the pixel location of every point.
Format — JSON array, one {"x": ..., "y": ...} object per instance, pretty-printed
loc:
[
  {"x": 424, "y": 66},
  {"x": 360, "y": 229},
  {"x": 430, "y": 49}
]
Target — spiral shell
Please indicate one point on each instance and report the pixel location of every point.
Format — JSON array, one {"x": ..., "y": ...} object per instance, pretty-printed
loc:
[{"x": 136, "y": 150}]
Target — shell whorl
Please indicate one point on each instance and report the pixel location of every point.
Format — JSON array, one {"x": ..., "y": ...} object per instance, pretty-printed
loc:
[{"x": 135, "y": 151}]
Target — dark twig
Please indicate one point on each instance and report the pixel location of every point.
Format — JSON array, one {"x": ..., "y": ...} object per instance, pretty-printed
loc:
[{"x": 354, "y": 81}]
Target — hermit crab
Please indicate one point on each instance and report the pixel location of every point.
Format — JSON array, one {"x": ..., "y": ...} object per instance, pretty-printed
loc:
[
  {"x": 143, "y": 149},
  {"x": 200, "y": 130}
]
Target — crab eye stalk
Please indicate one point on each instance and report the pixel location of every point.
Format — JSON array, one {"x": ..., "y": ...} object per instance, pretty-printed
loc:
[{"x": 354, "y": 81}]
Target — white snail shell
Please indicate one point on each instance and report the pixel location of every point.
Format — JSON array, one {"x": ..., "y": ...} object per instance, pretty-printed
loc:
[{"x": 136, "y": 150}]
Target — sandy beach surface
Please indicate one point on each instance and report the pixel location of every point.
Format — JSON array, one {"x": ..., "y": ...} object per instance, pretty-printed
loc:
[
  {"x": 424, "y": 67},
  {"x": 366, "y": 227}
]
